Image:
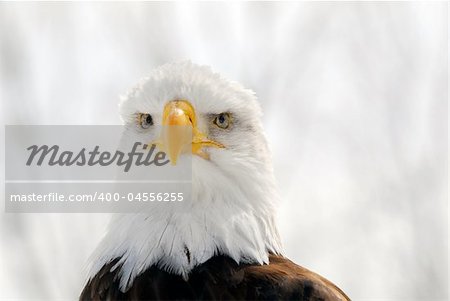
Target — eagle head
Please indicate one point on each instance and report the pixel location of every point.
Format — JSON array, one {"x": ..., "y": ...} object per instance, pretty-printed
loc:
[{"x": 233, "y": 193}]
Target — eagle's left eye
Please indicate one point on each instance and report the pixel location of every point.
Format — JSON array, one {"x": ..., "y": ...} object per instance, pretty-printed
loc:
[
  {"x": 145, "y": 120},
  {"x": 223, "y": 120}
]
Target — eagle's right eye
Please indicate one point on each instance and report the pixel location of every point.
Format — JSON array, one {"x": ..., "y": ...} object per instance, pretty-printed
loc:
[{"x": 145, "y": 120}]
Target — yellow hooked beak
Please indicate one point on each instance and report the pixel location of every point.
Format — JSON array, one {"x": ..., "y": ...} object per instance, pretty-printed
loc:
[{"x": 180, "y": 133}]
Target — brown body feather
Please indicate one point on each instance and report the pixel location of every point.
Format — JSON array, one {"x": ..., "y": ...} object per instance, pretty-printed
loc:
[{"x": 220, "y": 278}]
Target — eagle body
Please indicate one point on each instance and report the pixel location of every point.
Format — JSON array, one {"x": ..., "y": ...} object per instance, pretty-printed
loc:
[
  {"x": 219, "y": 278},
  {"x": 224, "y": 243}
]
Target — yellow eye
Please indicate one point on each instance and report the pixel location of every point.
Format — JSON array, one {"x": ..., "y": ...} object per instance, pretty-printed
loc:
[
  {"x": 145, "y": 120},
  {"x": 223, "y": 120}
]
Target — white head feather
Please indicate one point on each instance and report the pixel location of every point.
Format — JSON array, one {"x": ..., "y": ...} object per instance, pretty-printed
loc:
[{"x": 233, "y": 193}]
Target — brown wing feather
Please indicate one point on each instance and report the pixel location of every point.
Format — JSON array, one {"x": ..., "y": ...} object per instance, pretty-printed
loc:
[
  {"x": 220, "y": 278},
  {"x": 294, "y": 282}
]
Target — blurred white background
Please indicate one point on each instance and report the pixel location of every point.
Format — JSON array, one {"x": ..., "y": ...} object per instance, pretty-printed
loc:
[{"x": 355, "y": 102}]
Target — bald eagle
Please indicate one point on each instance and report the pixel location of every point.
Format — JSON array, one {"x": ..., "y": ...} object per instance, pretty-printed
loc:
[{"x": 226, "y": 246}]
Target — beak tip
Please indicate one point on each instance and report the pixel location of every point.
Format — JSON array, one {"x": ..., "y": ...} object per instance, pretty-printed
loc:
[{"x": 173, "y": 160}]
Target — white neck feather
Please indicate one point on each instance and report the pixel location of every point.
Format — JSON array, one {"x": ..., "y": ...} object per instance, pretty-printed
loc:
[{"x": 231, "y": 214}]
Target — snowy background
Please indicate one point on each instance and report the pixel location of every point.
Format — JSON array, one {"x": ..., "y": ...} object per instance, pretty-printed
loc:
[{"x": 355, "y": 102}]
